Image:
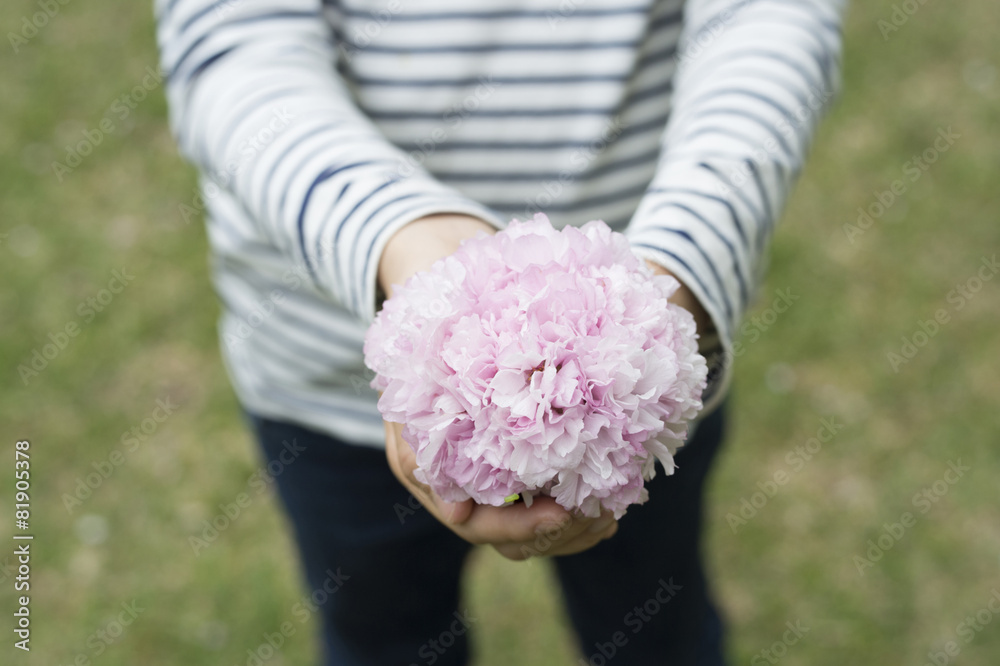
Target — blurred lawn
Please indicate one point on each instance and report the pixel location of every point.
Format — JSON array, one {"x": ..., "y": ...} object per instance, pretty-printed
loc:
[{"x": 826, "y": 356}]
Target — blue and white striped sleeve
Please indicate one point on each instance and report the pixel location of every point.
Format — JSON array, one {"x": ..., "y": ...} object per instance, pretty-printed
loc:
[
  {"x": 754, "y": 78},
  {"x": 257, "y": 103}
]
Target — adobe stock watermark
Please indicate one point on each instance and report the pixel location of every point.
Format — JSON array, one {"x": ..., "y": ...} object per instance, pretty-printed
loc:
[
  {"x": 120, "y": 109},
  {"x": 302, "y": 610},
  {"x": 636, "y": 620},
  {"x": 453, "y": 118},
  {"x": 363, "y": 35},
  {"x": 756, "y": 325},
  {"x": 743, "y": 174},
  {"x": 795, "y": 461},
  {"x": 281, "y": 119},
  {"x": 958, "y": 297},
  {"x": 710, "y": 32},
  {"x": 256, "y": 485},
  {"x": 403, "y": 512},
  {"x": 549, "y": 535},
  {"x": 435, "y": 647},
  {"x": 261, "y": 311},
  {"x": 104, "y": 637},
  {"x": 899, "y": 17},
  {"x": 226, "y": 7},
  {"x": 31, "y": 26},
  {"x": 130, "y": 440},
  {"x": 913, "y": 171},
  {"x": 545, "y": 537},
  {"x": 967, "y": 630},
  {"x": 924, "y": 500},
  {"x": 778, "y": 649},
  {"x": 361, "y": 383},
  {"x": 239, "y": 330},
  {"x": 579, "y": 160},
  {"x": 565, "y": 9},
  {"x": 59, "y": 340}
]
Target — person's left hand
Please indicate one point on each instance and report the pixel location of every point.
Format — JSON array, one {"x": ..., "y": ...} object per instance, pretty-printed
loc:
[{"x": 684, "y": 298}]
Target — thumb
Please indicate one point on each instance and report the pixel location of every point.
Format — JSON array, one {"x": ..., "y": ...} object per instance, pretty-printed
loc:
[{"x": 455, "y": 513}]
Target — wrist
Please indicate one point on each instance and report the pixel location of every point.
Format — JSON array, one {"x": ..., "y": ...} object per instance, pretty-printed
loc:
[
  {"x": 416, "y": 246},
  {"x": 687, "y": 300}
]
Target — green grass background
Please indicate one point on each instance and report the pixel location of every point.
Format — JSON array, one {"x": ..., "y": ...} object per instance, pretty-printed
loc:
[{"x": 826, "y": 356}]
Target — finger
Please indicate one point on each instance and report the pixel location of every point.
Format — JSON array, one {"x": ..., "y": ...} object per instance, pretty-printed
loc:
[
  {"x": 550, "y": 535},
  {"x": 451, "y": 513},
  {"x": 391, "y": 454},
  {"x": 581, "y": 525},
  {"x": 517, "y": 523},
  {"x": 406, "y": 459},
  {"x": 402, "y": 460},
  {"x": 457, "y": 513},
  {"x": 583, "y": 542},
  {"x": 580, "y": 543},
  {"x": 580, "y": 535},
  {"x": 514, "y": 552},
  {"x": 522, "y": 551}
]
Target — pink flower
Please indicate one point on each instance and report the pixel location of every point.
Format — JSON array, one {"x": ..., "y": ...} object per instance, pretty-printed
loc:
[{"x": 539, "y": 361}]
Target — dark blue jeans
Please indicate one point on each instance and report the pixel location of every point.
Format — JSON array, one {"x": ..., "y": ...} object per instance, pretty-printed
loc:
[{"x": 638, "y": 598}]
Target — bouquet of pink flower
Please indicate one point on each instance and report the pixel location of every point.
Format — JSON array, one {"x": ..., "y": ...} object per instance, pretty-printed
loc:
[{"x": 539, "y": 361}]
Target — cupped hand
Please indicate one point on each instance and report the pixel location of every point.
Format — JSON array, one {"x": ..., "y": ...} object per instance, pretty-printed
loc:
[{"x": 516, "y": 531}]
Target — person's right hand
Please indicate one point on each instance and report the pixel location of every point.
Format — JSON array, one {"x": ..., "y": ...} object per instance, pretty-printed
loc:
[{"x": 517, "y": 531}]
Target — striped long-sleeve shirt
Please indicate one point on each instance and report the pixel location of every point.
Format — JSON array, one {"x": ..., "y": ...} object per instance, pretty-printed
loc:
[{"x": 321, "y": 128}]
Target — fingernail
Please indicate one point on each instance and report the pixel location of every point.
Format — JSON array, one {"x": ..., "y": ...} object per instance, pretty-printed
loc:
[{"x": 601, "y": 525}]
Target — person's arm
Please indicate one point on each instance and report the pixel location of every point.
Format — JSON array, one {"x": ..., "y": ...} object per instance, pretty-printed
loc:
[
  {"x": 257, "y": 103},
  {"x": 755, "y": 77}
]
